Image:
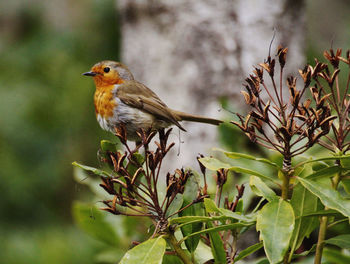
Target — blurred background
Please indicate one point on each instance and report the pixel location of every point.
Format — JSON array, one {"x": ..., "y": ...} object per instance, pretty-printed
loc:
[{"x": 47, "y": 118}]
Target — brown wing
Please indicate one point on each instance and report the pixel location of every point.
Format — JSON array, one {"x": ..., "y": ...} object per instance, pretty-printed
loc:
[{"x": 137, "y": 95}]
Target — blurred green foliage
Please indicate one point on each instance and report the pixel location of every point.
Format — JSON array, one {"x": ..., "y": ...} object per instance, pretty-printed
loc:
[
  {"x": 48, "y": 115},
  {"x": 47, "y": 121}
]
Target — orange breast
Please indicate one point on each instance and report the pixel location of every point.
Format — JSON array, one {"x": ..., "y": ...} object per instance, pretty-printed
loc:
[{"x": 104, "y": 101}]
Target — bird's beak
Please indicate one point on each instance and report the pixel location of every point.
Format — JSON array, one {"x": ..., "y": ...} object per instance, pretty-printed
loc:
[{"x": 90, "y": 73}]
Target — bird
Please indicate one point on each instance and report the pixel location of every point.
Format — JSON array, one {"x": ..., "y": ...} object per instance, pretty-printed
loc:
[{"x": 121, "y": 100}]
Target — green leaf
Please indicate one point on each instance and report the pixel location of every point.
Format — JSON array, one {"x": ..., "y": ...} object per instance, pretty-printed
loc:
[
  {"x": 342, "y": 241},
  {"x": 252, "y": 172},
  {"x": 236, "y": 216},
  {"x": 261, "y": 189},
  {"x": 345, "y": 163},
  {"x": 203, "y": 253},
  {"x": 324, "y": 172},
  {"x": 335, "y": 256},
  {"x": 239, "y": 207},
  {"x": 246, "y": 252},
  {"x": 303, "y": 203},
  {"x": 186, "y": 220},
  {"x": 91, "y": 169},
  {"x": 275, "y": 222},
  {"x": 328, "y": 158},
  {"x": 82, "y": 177},
  {"x": 237, "y": 155},
  {"x": 171, "y": 259},
  {"x": 215, "y": 164},
  {"x": 193, "y": 219},
  {"x": 175, "y": 205},
  {"x": 329, "y": 197},
  {"x": 263, "y": 261},
  {"x": 190, "y": 194},
  {"x": 320, "y": 213},
  {"x": 346, "y": 185},
  {"x": 211, "y": 207},
  {"x": 107, "y": 145},
  {"x": 217, "y": 247},
  {"x": 217, "y": 229},
  {"x": 148, "y": 252},
  {"x": 93, "y": 222}
]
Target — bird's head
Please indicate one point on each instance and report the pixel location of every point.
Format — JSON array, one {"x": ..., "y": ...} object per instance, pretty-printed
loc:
[{"x": 109, "y": 73}]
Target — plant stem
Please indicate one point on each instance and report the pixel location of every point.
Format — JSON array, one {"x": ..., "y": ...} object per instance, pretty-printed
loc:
[
  {"x": 285, "y": 186},
  {"x": 323, "y": 224},
  {"x": 287, "y": 173},
  {"x": 179, "y": 251},
  {"x": 320, "y": 240}
]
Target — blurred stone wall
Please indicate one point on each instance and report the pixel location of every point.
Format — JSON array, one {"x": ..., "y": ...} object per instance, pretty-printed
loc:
[{"x": 191, "y": 53}]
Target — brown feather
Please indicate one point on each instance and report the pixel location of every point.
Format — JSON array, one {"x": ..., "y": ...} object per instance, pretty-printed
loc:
[
  {"x": 137, "y": 95},
  {"x": 196, "y": 118}
]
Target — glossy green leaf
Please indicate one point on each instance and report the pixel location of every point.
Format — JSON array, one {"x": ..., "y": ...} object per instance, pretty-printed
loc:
[
  {"x": 175, "y": 205},
  {"x": 335, "y": 256},
  {"x": 342, "y": 241},
  {"x": 303, "y": 203},
  {"x": 171, "y": 259},
  {"x": 250, "y": 250},
  {"x": 328, "y": 158},
  {"x": 82, "y": 177},
  {"x": 252, "y": 172},
  {"x": 203, "y": 253},
  {"x": 236, "y": 216},
  {"x": 215, "y": 164},
  {"x": 346, "y": 185},
  {"x": 324, "y": 172},
  {"x": 91, "y": 169},
  {"x": 148, "y": 252},
  {"x": 211, "y": 207},
  {"x": 263, "y": 261},
  {"x": 218, "y": 228},
  {"x": 193, "y": 219},
  {"x": 275, "y": 222},
  {"x": 261, "y": 189},
  {"x": 239, "y": 207},
  {"x": 237, "y": 155},
  {"x": 93, "y": 222},
  {"x": 321, "y": 213},
  {"x": 329, "y": 197},
  {"x": 107, "y": 145},
  {"x": 345, "y": 163},
  {"x": 186, "y": 220},
  {"x": 217, "y": 247}
]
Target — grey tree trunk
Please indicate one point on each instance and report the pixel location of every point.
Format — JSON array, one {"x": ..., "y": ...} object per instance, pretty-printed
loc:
[{"x": 193, "y": 52}]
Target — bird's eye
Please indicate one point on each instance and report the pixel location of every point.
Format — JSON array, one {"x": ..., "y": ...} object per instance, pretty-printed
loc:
[{"x": 106, "y": 69}]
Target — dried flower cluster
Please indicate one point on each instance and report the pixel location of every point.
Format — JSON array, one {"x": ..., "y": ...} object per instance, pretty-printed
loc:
[
  {"x": 296, "y": 124},
  {"x": 327, "y": 81},
  {"x": 135, "y": 179}
]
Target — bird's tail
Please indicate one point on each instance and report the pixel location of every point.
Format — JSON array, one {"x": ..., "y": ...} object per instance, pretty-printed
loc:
[{"x": 196, "y": 118}]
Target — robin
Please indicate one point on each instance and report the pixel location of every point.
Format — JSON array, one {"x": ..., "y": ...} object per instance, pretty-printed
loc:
[{"x": 119, "y": 99}]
